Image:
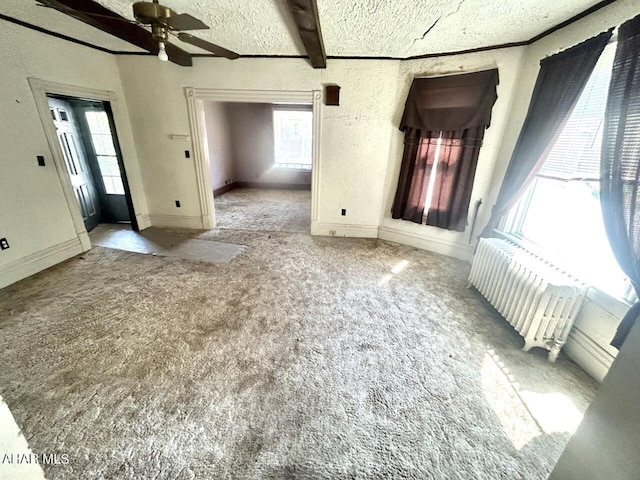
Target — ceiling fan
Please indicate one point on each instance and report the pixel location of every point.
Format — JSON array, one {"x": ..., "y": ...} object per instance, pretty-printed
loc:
[{"x": 162, "y": 20}]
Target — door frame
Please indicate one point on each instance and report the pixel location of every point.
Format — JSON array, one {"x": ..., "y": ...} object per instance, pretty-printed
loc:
[
  {"x": 41, "y": 89},
  {"x": 195, "y": 107}
]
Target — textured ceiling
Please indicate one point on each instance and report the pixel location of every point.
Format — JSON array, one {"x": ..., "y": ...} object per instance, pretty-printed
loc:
[
  {"x": 396, "y": 28},
  {"x": 29, "y": 11}
]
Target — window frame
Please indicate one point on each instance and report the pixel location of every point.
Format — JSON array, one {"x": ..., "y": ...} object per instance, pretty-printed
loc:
[
  {"x": 511, "y": 227},
  {"x": 92, "y": 142},
  {"x": 291, "y": 166}
]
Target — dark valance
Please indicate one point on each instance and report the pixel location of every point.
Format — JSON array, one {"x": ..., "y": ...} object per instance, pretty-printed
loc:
[{"x": 451, "y": 103}]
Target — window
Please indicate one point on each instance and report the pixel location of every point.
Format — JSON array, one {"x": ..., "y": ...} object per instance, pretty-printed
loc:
[
  {"x": 105, "y": 151},
  {"x": 432, "y": 179},
  {"x": 292, "y": 138},
  {"x": 560, "y": 212}
]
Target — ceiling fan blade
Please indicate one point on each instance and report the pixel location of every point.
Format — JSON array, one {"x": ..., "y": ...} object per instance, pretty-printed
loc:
[
  {"x": 54, "y": 5},
  {"x": 210, "y": 47},
  {"x": 100, "y": 17},
  {"x": 79, "y": 15},
  {"x": 184, "y": 21}
]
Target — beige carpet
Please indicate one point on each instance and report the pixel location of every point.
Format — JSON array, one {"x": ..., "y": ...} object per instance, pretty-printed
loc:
[
  {"x": 264, "y": 209},
  {"x": 301, "y": 358}
]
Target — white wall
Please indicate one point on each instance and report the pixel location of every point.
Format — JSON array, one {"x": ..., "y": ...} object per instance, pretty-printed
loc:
[
  {"x": 508, "y": 62},
  {"x": 354, "y": 142},
  {"x": 219, "y": 144},
  {"x": 253, "y": 146},
  {"x": 589, "y": 340},
  {"x": 34, "y": 216}
]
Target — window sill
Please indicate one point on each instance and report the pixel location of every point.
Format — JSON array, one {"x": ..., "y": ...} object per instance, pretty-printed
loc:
[
  {"x": 615, "y": 306},
  {"x": 293, "y": 169}
]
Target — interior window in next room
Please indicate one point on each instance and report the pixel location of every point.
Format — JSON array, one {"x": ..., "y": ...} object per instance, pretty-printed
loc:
[{"x": 292, "y": 132}]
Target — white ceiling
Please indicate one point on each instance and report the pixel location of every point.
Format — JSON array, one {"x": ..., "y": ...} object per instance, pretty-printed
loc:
[{"x": 393, "y": 28}]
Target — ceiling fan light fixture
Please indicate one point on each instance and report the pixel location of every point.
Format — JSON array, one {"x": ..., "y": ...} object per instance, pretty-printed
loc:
[{"x": 162, "y": 52}]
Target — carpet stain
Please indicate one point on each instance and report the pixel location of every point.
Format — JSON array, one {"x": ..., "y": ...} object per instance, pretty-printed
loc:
[{"x": 291, "y": 361}]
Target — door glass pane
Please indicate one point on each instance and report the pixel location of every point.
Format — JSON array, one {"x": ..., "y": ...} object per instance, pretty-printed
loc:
[
  {"x": 108, "y": 166},
  {"x": 103, "y": 144},
  {"x": 105, "y": 151},
  {"x": 118, "y": 187}
]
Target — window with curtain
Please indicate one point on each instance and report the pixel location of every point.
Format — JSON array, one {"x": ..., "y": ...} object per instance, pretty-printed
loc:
[
  {"x": 560, "y": 212},
  {"x": 444, "y": 122}
]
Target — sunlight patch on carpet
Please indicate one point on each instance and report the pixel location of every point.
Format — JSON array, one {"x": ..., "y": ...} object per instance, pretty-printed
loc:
[
  {"x": 399, "y": 267},
  {"x": 525, "y": 414},
  {"x": 514, "y": 417}
]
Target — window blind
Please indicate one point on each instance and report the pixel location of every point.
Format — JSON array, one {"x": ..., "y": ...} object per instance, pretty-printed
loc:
[{"x": 576, "y": 153}]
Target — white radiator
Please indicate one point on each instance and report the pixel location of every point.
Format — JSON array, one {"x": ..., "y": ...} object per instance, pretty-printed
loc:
[{"x": 539, "y": 300}]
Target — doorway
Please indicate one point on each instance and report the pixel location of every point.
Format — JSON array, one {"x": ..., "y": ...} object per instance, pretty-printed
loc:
[
  {"x": 86, "y": 133},
  {"x": 260, "y": 160},
  {"x": 196, "y": 101}
]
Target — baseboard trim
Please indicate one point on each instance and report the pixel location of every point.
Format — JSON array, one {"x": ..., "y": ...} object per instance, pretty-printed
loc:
[
  {"x": 176, "y": 221},
  {"x": 278, "y": 186},
  {"x": 343, "y": 230},
  {"x": 591, "y": 357},
  {"x": 144, "y": 221},
  {"x": 36, "y": 262},
  {"x": 225, "y": 188},
  {"x": 450, "y": 249}
]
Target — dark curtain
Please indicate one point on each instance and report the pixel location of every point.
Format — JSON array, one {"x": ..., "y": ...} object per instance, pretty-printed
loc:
[
  {"x": 456, "y": 170},
  {"x": 561, "y": 79},
  {"x": 620, "y": 164},
  {"x": 417, "y": 161},
  {"x": 458, "y": 107}
]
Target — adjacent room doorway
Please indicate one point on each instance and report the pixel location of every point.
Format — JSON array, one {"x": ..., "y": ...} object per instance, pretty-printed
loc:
[
  {"x": 92, "y": 157},
  {"x": 197, "y": 98},
  {"x": 260, "y": 159}
]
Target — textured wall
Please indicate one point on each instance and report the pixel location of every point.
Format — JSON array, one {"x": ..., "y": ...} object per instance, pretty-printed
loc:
[
  {"x": 34, "y": 214},
  {"x": 508, "y": 63},
  {"x": 354, "y": 139}
]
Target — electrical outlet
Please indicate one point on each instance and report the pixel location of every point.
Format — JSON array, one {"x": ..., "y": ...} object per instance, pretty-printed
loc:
[
  {"x": 332, "y": 233},
  {"x": 40, "y": 159},
  {"x": 187, "y": 154},
  {"x": 344, "y": 212},
  {"x": 178, "y": 203},
  {"x": 4, "y": 244}
]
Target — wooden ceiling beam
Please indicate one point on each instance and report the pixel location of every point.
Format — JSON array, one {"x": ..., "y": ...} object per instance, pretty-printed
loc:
[
  {"x": 94, "y": 14},
  {"x": 305, "y": 15}
]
